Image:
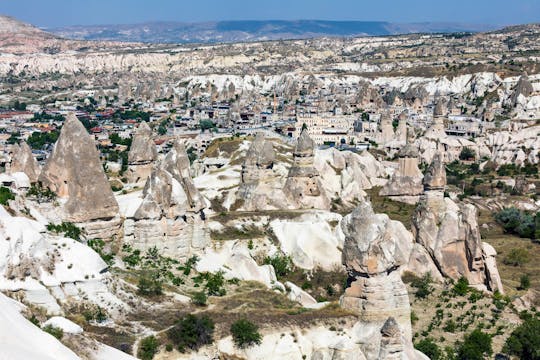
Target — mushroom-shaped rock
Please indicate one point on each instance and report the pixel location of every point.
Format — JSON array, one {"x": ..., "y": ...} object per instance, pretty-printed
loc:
[{"x": 74, "y": 172}]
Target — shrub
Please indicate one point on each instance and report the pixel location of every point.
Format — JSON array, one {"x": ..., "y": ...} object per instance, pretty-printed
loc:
[
  {"x": 423, "y": 286},
  {"x": 524, "y": 282},
  {"x": 282, "y": 264},
  {"x": 148, "y": 348},
  {"x": 40, "y": 193},
  {"x": 428, "y": 347},
  {"x": 192, "y": 332},
  {"x": 466, "y": 154},
  {"x": 516, "y": 257},
  {"x": 524, "y": 342},
  {"x": 475, "y": 346},
  {"x": 68, "y": 229},
  {"x": 450, "y": 326},
  {"x": 150, "y": 285},
  {"x": 199, "y": 298},
  {"x": 54, "y": 331},
  {"x": 245, "y": 333},
  {"x": 518, "y": 222},
  {"x": 5, "y": 195},
  {"x": 214, "y": 284},
  {"x": 98, "y": 246},
  {"x": 461, "y": 287}
]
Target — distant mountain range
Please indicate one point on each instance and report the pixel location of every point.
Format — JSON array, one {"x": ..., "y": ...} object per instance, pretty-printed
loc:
[{"x": 240, "y": 31}]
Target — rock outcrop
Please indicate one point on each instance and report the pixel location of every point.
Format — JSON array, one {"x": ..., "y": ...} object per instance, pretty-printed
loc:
[
  {"x": 74, "y": 172},
  {"x": 303, "y": 187},
  {"x": 258, "y": 181},
  {"x": 142, "y": 154},
  {"x": 447, "y": 236},
  {"x": 171, "y": 215},
  {"x": 374, "y": 251},
  {"x": 22, "y": 160},
  {"x": 406, "y": 183}
]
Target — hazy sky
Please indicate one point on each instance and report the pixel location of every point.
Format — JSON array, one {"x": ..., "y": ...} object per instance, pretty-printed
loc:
[{"x": 50, "y": 13}]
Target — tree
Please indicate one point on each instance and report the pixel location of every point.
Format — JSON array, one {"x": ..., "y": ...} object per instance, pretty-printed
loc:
[
  {"x": 428, "y": 347},
  {"x": 475, "y": 346},
  {"x": 150, "y": 285},
  {"x": 148, "y": 348},
  {"x": 516, "y": 257},
  {"x": 524, "y": 282},
  {"x": 192, "y": 332},
  {"x": 524, "y": 342},
  {"x": 461, "y": 287},
  {"x": 245, "y": 333},
  {"x": 6, "y": 195},
  {"x": 466, "y": 154}
]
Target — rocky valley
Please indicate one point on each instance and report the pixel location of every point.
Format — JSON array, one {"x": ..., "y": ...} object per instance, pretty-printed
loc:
[{"x": 323, "y": 198}]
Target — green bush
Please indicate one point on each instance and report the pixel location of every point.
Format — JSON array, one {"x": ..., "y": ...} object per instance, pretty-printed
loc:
[
  {"x": 423, "y": 286},
  {"x": 148, "y": 348},
  {"x": 282, "y": 264},
  {"x": 524, "y": 342},
  {"x": 6, "y": 195},
  {"x": 192, "y": 332},
  {"x": 475, "y": 346},
  {"x": 68, "y": 229},
  {"x": 516, "y": 257},
  {"x": 518, "y": 222},
  {"x": 40, "y": 193},
  {"x": 428, "y": 347},
  {"x": 199, "y": 298},
  {"x": 98, "y": 246},
  {"x": 214, "y": 284},
  {"x": 245, "y": 333},
  {"x": 466, "y": 154},
  {"x": 150, "y": 285},
  {"x": 524, "y": 282},
  {"x": 461, "y": 287},
  {"x": 54, "y": 331}
]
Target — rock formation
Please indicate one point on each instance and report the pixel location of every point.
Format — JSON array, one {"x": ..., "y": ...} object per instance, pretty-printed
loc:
[
  {"x": 374, "y": 251},
  {"x": 22, "y": 160},
  {"x": 257, "y": 179},
  {"x": 523, "y": 88},
  {"x": 406, "y": 183},
  {"x": 303, "y": 187},
  {"x": 401, "y": 131},
  {"x": 387, "y": 130},
  {"x": 448, "y": 238},
  {"x": 74, "y": 172},
  {"x": 142, "y": 154},
  {"x": 436, "y": 130},
  {"x": 171, "y": 215}
]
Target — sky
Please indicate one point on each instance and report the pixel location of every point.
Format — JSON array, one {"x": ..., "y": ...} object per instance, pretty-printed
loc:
[{"x": 57, "y": 13}]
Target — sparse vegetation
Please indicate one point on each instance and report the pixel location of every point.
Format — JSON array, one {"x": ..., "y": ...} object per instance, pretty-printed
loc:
[
  {"x": 67, "y": 229},
  {"x": 54, "y": 331}
]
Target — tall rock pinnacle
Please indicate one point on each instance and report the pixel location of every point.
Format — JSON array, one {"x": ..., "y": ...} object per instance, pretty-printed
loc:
[{"x": 74, "y": 172}]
